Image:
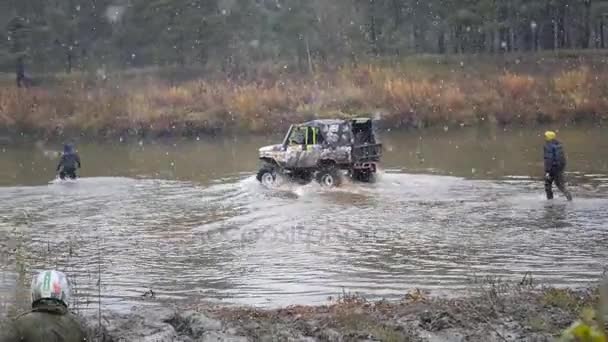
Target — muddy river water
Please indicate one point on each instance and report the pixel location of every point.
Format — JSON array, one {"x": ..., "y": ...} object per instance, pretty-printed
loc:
[{"x": 187, "y": 220}]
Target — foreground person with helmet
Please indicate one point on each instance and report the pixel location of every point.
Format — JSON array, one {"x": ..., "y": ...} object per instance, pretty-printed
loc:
[
  {"x": 49, "y": 319},
  {"x": 555, "y": 164}
]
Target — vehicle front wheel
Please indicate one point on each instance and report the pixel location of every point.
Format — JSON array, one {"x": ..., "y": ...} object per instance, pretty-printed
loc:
[
  {"x": 329, "y": 177},
  {"x": 267, "y": 176}
]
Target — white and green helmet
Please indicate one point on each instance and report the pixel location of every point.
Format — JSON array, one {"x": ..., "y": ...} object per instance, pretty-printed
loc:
[{"x": 51, "y": 285}]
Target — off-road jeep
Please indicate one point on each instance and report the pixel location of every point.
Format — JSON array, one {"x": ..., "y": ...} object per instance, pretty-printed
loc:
[{"x": 323, "y": 150}]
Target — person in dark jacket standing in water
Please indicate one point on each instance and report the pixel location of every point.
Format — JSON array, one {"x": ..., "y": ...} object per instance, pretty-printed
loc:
[
  {"x": 555, "y": 164},
  {"x": 70, "y": 160},
  {"x": 49, "y": 320}
]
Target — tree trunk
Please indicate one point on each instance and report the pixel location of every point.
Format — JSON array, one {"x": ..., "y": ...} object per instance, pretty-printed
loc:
[
  {"x": 69, "y": 58},
  {"x": 555, "y": 31},
  {"x": 562, "y": 26},
  {"x": 417, "y": 44},
  {"x": 353, "y": 60},
  {"x": 512, "y": 42},
  {"x": 587, "y": 19},
  {"x": 594, "y": 36},
  {"x": 412, "y": 38},
  {"x": 20, "y": 72},
  {"x": 487, "y": 41},
  {"x": 180, "y": 51},
  {"x": 537, "y": 37},
  {"x": 602, "y": 44},
  {"x": 203, "y": 55},
  {"x": 545, "y": 33},
  {"x": 457, "y": 40},
  {"x": 441, "y": 41},
  {"x": 309, "y": 57},
  {"x": 493, "y": 43},
  {"x": 396, "y": 14},
  {"x": 454, "y": 40},
  {"x": 372, "y": 28},
  {"x": 497, "y": 40}
]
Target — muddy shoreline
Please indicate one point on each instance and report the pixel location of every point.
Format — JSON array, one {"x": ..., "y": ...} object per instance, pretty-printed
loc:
[{"x": 498, "y": 312}]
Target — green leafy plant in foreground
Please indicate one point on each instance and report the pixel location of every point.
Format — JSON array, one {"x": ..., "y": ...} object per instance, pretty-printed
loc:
[
  {"x": 586, "y": 329},
  {"x": 590, "y": 327}
]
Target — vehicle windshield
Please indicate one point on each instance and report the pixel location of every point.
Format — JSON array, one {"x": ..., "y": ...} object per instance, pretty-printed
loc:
[{"x": 298, "y": 136}]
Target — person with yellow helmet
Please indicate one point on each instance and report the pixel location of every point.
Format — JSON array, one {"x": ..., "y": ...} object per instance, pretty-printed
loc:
[{"x": 555, "y": 164}]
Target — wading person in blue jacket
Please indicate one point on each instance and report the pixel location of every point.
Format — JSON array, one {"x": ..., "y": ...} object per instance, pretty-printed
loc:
[
  {"x": 70, "y": 161},
  {"x": 555, "y": 164}
]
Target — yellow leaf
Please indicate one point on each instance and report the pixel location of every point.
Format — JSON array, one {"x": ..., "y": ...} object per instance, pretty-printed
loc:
[{"x": 582, "y": 331}]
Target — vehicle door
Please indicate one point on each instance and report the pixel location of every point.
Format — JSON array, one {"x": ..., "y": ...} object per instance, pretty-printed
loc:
[
  {"x": 311, "y": 149},
  {"x": 295, "y": 145}
]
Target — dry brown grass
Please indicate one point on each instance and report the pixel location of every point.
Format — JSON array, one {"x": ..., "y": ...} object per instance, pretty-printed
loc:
[{"x": 399, "y": 98}]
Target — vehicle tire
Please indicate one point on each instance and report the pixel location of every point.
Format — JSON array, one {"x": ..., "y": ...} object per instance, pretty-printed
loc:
[
  {"x": 267, "y": 176},
  {"x": 329, "y": 177},
  {"x": 364, "y": 176}
]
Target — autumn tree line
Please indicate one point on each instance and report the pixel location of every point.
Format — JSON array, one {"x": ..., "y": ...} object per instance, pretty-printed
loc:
[{"x": 233, "y": 35}]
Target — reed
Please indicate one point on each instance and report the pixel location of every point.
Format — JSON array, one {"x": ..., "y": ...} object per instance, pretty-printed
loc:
[{"x": 393, "y": 94}]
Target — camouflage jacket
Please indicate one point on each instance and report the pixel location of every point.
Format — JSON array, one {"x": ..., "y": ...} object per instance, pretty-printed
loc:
[{"x": 45, "y": 322}]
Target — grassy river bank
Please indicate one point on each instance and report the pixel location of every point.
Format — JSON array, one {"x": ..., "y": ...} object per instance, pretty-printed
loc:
[{"x": 421, "y": 91}]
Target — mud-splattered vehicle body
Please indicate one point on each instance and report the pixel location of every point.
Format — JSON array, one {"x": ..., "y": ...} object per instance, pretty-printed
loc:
[{"x": 321, "y": 149}]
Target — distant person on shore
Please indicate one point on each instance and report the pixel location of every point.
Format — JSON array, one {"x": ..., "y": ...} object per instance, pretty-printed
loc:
[
  {"x": 70, "y": 161},
  {"x": 555, "y": 164},
  {"x": 49, "y": 319},
  {"x": 20, "y": 73}
]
